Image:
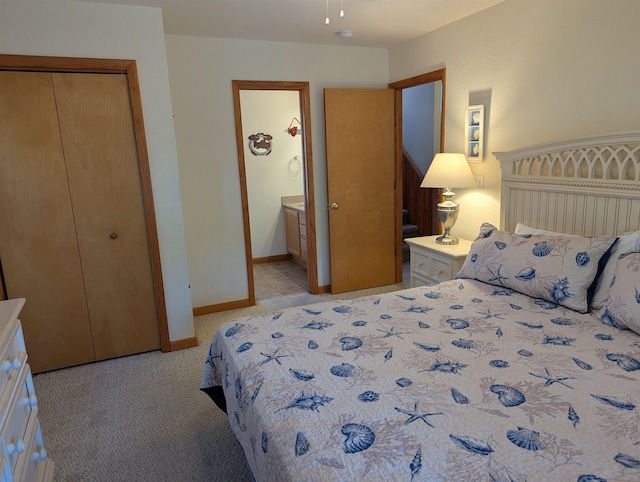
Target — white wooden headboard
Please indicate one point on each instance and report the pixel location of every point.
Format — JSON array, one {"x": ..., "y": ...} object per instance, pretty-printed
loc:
[{"x": 588, "y": 186}]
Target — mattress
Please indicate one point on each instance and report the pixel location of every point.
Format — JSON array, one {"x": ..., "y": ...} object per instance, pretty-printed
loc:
[{"x": 457, "y": 381}]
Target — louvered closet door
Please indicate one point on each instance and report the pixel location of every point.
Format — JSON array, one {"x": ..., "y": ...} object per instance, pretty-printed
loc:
[
  {"x": 38, "y": 245},
  {"x": 97, "y": 132}
]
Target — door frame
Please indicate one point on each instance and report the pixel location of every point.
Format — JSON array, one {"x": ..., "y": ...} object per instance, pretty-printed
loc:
[
  {"x": 128, "y": 67},
  {"x": 307, "y": 161},
  {"x": 434, "y": 76}
]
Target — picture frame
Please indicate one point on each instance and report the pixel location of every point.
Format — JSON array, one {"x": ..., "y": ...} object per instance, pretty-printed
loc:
[{"x": 474, "y": 133}]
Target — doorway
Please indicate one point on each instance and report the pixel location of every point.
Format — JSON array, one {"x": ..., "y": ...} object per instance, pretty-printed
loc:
[
  {"x": 419, "y": 202},
  {"x": 301, "y": 161}
]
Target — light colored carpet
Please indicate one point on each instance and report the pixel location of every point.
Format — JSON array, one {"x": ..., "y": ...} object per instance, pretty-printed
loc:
[
  {"x": 297, "y": 299},
  {"x": 143, "y": 417}
]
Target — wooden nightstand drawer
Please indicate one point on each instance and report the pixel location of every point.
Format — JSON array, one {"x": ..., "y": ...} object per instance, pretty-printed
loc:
[{"x": 432, "y": 263}]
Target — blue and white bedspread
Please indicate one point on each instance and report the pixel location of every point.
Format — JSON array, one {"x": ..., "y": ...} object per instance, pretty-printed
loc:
[{"x": 458, "y": 381}]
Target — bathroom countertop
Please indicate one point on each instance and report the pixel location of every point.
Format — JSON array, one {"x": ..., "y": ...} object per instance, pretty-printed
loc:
[
  {"x": 296, "y": 206},
  {"x": 293, "y": 202}
]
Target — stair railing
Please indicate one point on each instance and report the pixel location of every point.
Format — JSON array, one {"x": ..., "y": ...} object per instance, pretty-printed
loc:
[{"x": 420, "y": 202}]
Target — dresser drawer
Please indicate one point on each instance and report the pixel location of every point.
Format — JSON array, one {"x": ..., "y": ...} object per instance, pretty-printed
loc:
[
  {"x": 421, "y": 263},
  {"x": 4, "y": 469},
  {"x": 12, "y": 353},
  {"x": 34, "y": 456},
  {"x": 430, "y": 268},
  {"x": 442, "y": 269},
  {"x": 19, "y": 405},
  {"x": 45, "y": 471},
  {"x": 417, "y": 280},
  {"x": 22, "y": 454},
  {"x": 432, "y": 263}
]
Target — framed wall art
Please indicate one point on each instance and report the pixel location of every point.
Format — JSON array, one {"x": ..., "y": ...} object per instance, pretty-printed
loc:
[{"x": 474, "y": 133}]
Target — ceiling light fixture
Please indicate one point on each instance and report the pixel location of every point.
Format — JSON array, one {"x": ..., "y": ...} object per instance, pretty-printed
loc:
[{"x": 326, "y": 20}]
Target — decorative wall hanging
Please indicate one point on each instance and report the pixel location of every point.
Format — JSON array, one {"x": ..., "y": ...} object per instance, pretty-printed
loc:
[
  {"x": 293, "y": 130},
  {"x": 474, "y": 133},
  {"x": 260, "y": 144}
]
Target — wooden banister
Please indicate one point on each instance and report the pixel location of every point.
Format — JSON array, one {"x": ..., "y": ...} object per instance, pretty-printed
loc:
[{"x": 420, "y": 202}]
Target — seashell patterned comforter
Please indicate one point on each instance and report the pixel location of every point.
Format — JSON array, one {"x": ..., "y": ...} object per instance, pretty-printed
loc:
[{"x": 461, "y": 381}]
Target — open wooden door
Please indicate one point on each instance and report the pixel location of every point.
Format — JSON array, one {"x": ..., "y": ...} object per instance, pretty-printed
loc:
[{"x": 359, "y": 127}]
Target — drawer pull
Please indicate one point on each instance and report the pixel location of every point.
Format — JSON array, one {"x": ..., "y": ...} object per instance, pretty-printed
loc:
[
  {"x": 15, "y": 448},
  {"x": 11, "y": 364},
  {"x": 31, "y": 401},
  {"x": 40, "y": 456},
  {"x": 439, "y": 271}
]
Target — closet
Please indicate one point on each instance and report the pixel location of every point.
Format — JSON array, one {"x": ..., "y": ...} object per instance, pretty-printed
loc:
[{"x": 73, "y": 236}]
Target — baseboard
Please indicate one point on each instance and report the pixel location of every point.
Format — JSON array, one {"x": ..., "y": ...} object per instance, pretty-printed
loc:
[
  {"x": 323, "y": 289},
  {"x": 269, "y": 259},
  {"x": 231, "y": 305},
  {"x": 183, "y": 344}
]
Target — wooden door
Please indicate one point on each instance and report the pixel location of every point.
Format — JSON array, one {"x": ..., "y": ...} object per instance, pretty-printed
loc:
[
  {"x": 96, "y": 127},
  {"x": 359, "y": 127},
  {"x": 38, "y": 246},
  {"x": 73, "y": 238}
]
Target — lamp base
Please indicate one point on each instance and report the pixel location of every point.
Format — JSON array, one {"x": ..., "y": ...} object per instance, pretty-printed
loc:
[
  {"x": 447, "y": 240},
  {"x": 447, "y": 214}
]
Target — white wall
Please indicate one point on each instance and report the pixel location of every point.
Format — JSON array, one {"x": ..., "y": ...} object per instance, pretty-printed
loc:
[
  {"x": 418, "y": 123},
  {"x": 545, "y": 70},
  {"x": 275, "y": 175},
  {"x": 200, "y": 72},
  {"x": 78, "y": 29}
]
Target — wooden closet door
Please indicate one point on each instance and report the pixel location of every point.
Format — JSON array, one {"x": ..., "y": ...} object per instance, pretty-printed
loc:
[
  {"x": 96, "y": 127},
  {"x": 38, "y": 246}
]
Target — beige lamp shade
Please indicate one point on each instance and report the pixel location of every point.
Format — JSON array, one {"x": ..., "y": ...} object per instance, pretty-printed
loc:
[{"x": 449, "y": 170}]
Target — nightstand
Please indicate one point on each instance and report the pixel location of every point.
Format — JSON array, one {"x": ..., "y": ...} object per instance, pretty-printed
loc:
[{"x": 432, "y": 263}]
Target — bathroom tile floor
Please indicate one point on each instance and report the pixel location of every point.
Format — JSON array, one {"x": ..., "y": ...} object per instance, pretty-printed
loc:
[{"x": 281, "y": 278}]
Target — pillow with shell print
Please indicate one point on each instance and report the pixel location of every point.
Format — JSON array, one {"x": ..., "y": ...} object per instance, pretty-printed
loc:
[
  {"x": 560, "y": 269},
  {"x": 622, "y": 308}
]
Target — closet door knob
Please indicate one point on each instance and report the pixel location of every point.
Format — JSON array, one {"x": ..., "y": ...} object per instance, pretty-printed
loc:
[
  {"x": 334, "y": 206},
  {"x": 113, "y": 235}
]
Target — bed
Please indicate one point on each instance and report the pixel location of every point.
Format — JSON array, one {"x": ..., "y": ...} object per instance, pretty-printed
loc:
[{"x": 524, "y": 367}]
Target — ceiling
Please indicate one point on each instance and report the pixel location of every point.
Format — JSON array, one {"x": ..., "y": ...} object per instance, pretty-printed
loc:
[{"x": 374, "y": 23}]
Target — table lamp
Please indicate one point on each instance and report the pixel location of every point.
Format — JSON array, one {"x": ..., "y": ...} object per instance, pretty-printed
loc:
[{"x": 448, "y": 170}]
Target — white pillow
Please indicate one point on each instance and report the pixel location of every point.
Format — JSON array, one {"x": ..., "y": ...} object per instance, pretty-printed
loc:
[
  {"x": 523, "y": 230},
  {"x": 627, "y": 243}
]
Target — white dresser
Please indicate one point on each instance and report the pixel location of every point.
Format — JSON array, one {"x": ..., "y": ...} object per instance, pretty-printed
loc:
[
  {"x": 432, "y": 263},
  {"x": 23, "y": 457}
]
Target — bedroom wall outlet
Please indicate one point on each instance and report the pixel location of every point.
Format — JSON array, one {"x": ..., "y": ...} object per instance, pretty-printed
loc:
[{"x": 480, "y": 182}]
